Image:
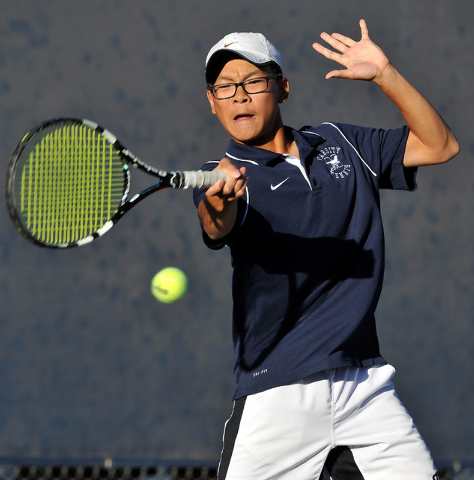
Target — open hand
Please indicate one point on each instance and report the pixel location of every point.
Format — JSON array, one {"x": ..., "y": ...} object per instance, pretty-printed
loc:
[{"x": 363, "y": 60}]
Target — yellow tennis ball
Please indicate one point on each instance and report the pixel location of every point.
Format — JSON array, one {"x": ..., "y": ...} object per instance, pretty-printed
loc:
[{"x": 169, "y": 285}]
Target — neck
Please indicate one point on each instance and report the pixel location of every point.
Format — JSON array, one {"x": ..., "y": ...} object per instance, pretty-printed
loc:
[{"x": 281, "y": 141}]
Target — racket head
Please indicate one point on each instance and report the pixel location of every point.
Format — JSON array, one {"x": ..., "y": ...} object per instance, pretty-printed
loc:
[{"x": 66, "y": 180}]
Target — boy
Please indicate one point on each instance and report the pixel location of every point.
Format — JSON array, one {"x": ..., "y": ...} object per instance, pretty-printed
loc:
[{"x": 300, "y": 212}]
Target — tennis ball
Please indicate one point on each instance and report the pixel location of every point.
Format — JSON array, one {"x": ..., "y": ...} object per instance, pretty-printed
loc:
[{"x": 169, "y": 284}]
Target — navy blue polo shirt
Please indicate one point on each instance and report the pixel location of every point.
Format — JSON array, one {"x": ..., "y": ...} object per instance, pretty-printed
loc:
[{"x": 308, "y": 252}]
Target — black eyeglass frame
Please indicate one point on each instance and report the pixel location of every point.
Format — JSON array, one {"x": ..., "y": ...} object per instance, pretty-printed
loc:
[{"x": 212, "y": 88}]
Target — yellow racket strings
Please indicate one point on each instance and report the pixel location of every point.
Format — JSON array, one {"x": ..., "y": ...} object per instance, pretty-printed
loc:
[{"x": 72, "y": 182}]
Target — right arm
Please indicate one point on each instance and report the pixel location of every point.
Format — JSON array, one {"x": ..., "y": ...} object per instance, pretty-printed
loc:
[{"x": 218, "y": 209}]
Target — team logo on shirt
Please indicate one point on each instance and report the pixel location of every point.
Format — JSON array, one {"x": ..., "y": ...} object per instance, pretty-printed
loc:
[{"x": 330, "y": 156}]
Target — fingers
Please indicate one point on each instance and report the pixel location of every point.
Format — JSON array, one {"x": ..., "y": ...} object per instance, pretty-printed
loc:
[
  {"x": 358, "y": 57},
  {"x": 337, "y": 74},
  {"x": 234, "y": 186},
  {"x": 363, "y": 29},
  {"x": 340, "y": 42},
  {"x": 326, "y": 52},
  {"x": 331, "y": 55},
  {"x": 346, "y": 42}
]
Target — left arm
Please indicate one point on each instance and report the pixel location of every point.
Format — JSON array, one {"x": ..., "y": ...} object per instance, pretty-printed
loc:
[{"x": 430, "y": 140}]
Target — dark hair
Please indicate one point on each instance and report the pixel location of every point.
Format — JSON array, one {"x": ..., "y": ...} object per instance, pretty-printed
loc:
[{"x": 274, "y": 67}]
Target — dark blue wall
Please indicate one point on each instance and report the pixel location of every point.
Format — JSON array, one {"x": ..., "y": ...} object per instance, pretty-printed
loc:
[{"x": 91, "y": 365}]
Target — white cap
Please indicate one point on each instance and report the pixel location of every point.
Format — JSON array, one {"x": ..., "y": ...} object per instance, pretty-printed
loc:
[{"x": 253, "y": 47}]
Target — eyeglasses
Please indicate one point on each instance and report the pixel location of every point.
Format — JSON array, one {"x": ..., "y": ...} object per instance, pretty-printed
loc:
[{"x": 251, "y": 86}]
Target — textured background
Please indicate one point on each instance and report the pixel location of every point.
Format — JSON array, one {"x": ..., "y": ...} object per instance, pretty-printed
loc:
[{"x": 90, "y": 364}]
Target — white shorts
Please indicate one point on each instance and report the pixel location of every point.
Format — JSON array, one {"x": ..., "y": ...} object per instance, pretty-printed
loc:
[{"x": 287, "y": 433}]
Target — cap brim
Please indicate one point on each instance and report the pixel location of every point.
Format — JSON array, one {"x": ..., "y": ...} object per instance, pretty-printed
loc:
[{"x": 220, "y": 55}]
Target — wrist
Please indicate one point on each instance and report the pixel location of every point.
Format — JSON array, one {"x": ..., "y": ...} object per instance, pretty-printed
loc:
[{"x": 387, "y": 76}]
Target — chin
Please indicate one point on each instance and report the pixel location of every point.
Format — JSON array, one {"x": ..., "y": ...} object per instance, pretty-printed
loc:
[
  {"x": 247, "y": 140},
  {"x": 246, "y": 137}
]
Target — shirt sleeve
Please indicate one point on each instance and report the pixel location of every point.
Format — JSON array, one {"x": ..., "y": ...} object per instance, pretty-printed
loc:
[{"x": 383, "y": 150}]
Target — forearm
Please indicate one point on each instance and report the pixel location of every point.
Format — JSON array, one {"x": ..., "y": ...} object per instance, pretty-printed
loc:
[
  {"x": 217, "y": 216},
  {"x": 218, "y": 209},
  {"x": 431, "y": 140}
]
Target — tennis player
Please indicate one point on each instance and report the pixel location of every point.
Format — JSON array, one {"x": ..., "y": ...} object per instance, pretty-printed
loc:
[{"x": 300, "y": 212}]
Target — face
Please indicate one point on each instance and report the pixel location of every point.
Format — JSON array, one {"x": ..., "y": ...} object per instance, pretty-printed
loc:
[{"x": 251, "y": 119}]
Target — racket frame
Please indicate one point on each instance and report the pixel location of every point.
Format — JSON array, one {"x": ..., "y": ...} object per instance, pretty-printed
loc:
[{"x": 176, "y": 180}]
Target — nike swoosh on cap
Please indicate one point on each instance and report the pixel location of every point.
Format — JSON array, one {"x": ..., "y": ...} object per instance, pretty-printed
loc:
[{"x": 274, "y": 187}]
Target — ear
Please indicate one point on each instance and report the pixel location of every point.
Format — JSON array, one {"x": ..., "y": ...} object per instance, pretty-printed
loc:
[
  {"x": 284, "y": 91},
  {"x": 211, "y": 101}
]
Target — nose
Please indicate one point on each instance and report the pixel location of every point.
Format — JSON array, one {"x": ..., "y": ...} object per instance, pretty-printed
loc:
[{"x": 241, "y": 95}]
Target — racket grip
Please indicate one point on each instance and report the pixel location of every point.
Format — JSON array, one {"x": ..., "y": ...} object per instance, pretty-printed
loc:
[{"x": 200, "y": 178}]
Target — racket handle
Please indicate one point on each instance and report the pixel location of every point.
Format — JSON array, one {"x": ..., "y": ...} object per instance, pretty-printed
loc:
[{"x": 199, "y": 178}]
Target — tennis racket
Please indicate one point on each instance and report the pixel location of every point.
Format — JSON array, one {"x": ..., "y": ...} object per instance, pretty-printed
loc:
[{"x": 68, "y": 182}]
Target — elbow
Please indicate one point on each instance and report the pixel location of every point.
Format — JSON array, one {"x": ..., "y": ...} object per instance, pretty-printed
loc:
[
  {"x": 214, "y": 234},
  {"x": 448, "y": 151},
  {"x": 455, "y": 148},
  {"x": 217, "y": 232},
  {"x": 418, "y": 154},
  {"x": 451, "y": 149}
]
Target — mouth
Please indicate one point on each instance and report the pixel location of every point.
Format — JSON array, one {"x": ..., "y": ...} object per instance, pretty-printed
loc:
[{"x": 242, "y": 117}]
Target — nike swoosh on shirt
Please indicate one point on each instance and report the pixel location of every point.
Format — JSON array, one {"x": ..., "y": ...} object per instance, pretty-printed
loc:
[{"x": 274, "y": 187}]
